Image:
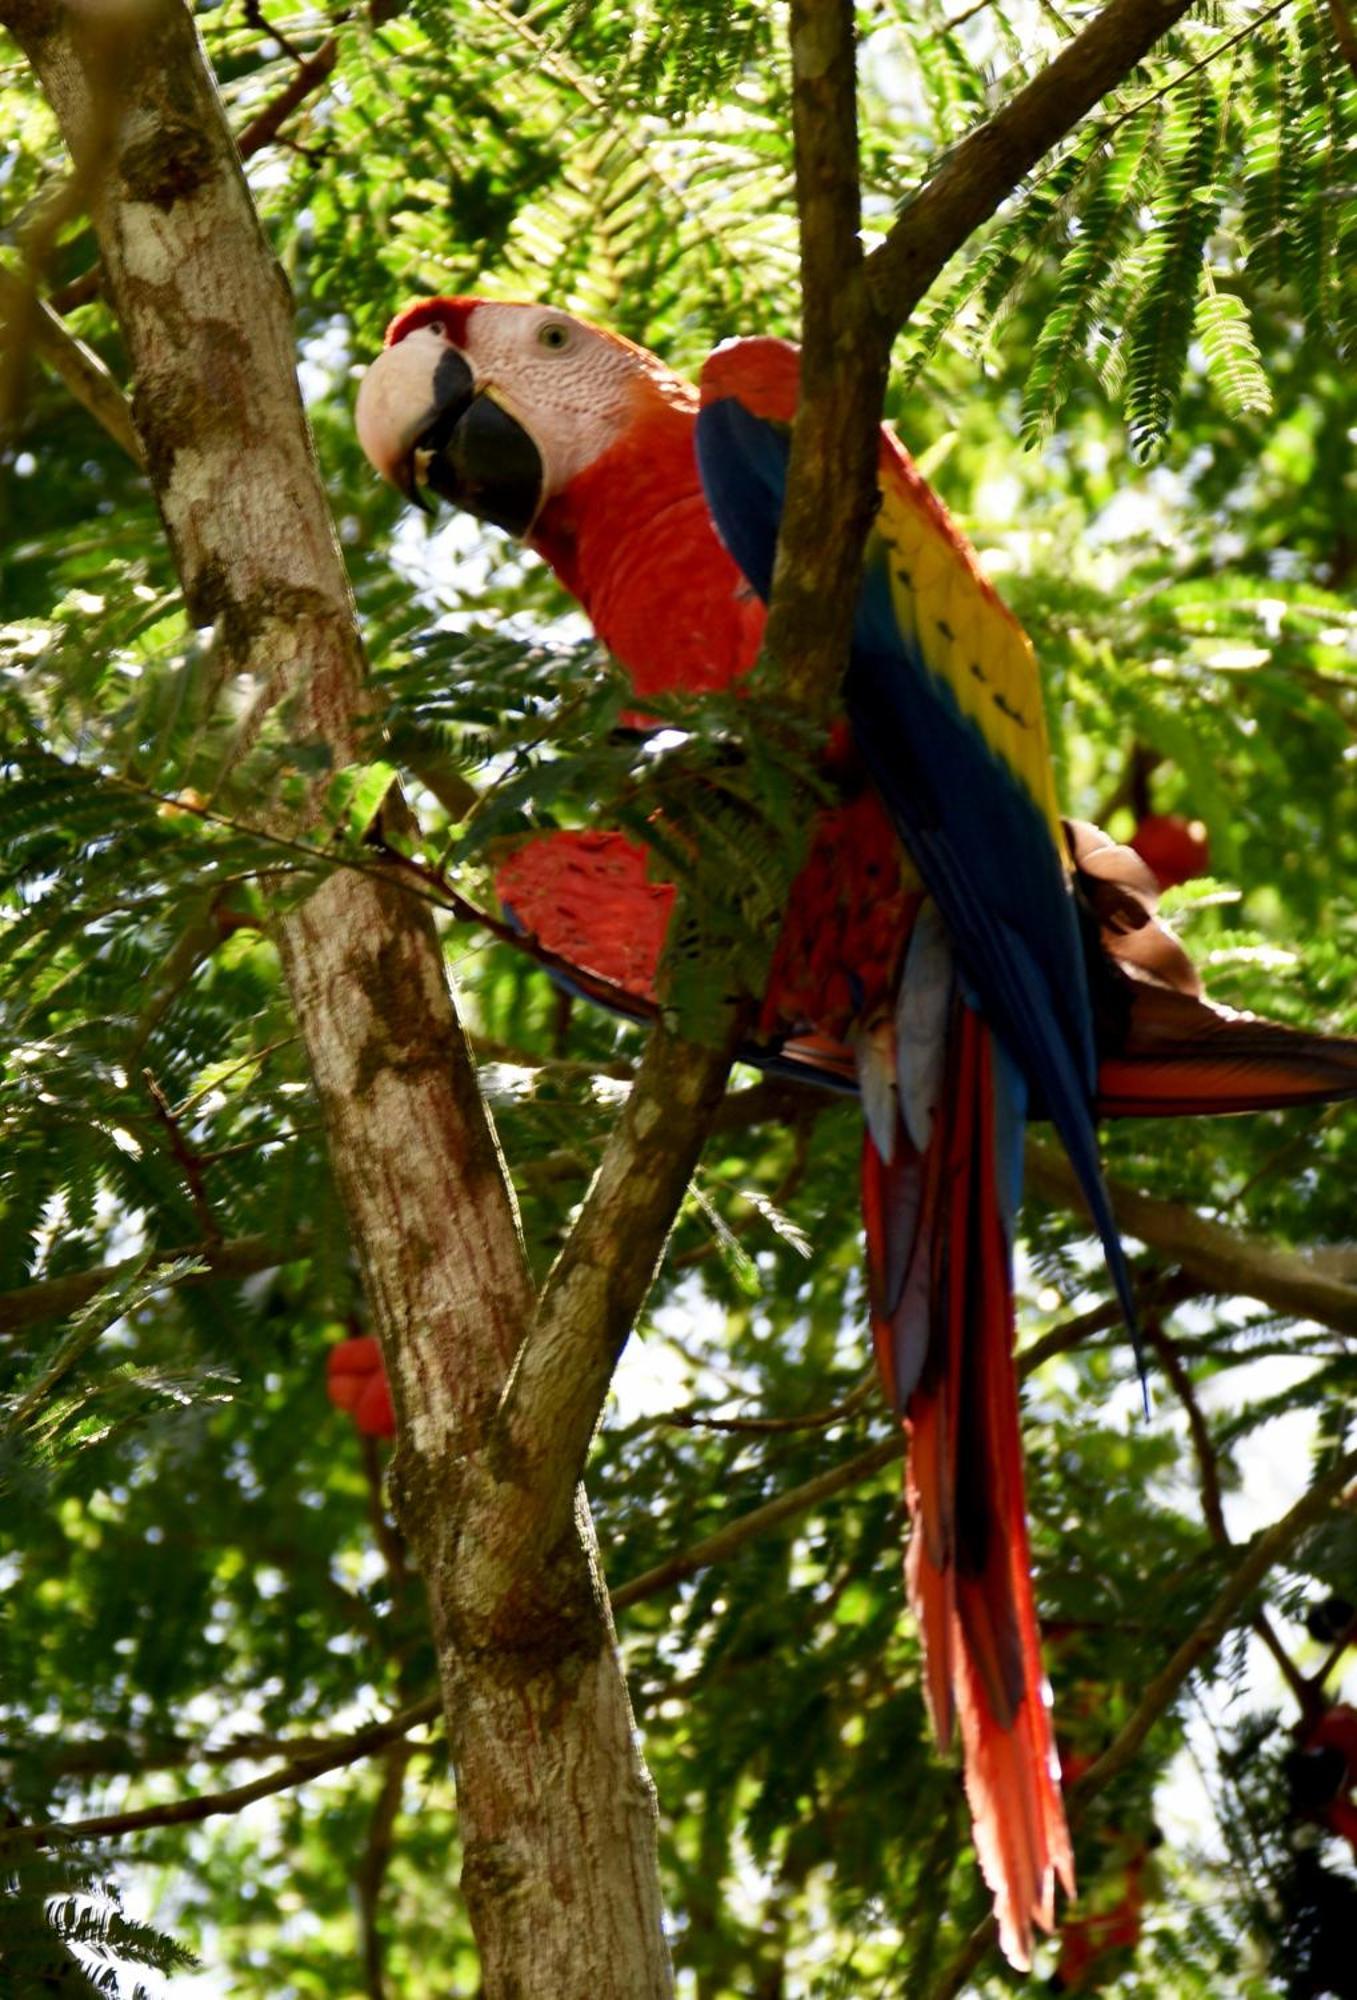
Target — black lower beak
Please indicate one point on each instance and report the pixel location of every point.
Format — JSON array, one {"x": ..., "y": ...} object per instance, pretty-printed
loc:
[{"x": 476, "y": 455}]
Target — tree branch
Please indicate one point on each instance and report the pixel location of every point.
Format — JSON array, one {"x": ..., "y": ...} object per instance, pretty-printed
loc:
[
  {"x": 553, "y": 1399},
  {"x": 1264, "y": 1553},
  {"x": 1219, "y": 1258},
  {"x": 831, "y": 479},
  {"x": 376, "y": 1859},
  {"x": 991, "y": 161},
  {"x": 759, "y": 1521},
  {"x": 309, "y": 74},
  {"x": 209, "y": 1805},
  {"x": 431, "y": 1212},
  {"x": 319, "y": 1756},
  {"x": 599, "y": 1282},
  {"x": 32, "y": 322},
  {"x": 1213, "y": 1505},
  {"x": 56, "y": 1298}
]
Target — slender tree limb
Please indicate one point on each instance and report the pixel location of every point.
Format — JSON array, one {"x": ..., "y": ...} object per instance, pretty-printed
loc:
[
  {"x": 553, "y": 1399},
  {"x": 831, "y": 480},
  {"x": 254, "y": 14},
  {"x": 759, "y": 1521},
  {"x": 1203, "y": 1450},
  {"x": 246, "y": 1256},
  {"x": 122, "y": 1756},
  {"x": 991, "y": 161},
  {"x": 319, "y": 1757},
  {"x": 74, "y": 363},
  {"x": 78, "y": 291},
  {"x": 1213, "y": 1506},
  {"x": 1218, "y": 1257},
  {"x": 211, "y": 1805},
  {"x": 1213, "y": 1259},
  {"x": 56, "y": 1298},
  {"x": 313, "y": 1757},
  {"x": 1265, "y": 1552},
  {"x": 952, "y": 1980},
  {"x": 187, "y": 1158},
  {"x": 814, "y": 1420},
  {"x": 599, "y": 1283},
  {"x": 377, "y": 1859},
  {"x": 310, "y": 73}
]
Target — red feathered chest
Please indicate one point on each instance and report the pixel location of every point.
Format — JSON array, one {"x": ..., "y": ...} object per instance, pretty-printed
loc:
[{"x": 632, "y": 540}]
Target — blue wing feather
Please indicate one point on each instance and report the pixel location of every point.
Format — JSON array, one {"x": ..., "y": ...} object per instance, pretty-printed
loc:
[{"x": 974, "y": 832}]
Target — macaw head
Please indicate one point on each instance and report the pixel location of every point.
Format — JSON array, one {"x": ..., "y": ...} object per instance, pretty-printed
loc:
[{"x": 497, "y": 407}]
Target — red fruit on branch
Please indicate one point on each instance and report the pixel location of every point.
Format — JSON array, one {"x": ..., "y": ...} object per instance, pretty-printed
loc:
[
  {"x": 1173, "y": 848},
  {"x": 356, "y": 1381}
]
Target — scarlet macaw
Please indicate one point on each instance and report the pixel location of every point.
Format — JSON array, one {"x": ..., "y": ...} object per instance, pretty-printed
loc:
[{"x": 972, "y": 959}]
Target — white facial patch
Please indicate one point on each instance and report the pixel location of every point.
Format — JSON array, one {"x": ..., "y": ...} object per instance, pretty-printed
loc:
[
  {"x": 395, "y": 400},
  {"x": 572, "y": 388}
]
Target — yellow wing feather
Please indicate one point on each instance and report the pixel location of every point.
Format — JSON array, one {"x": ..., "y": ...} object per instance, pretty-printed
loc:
[{"x": 966, "y": 636}]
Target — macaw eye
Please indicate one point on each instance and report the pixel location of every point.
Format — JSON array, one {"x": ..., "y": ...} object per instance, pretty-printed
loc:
[
  {"x": 435, "y": 326},
  {"x": 553, "y": 335}
]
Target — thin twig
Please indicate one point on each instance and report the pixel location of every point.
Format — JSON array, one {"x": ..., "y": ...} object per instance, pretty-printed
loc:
[
  {"x": 211, "y": 1805},
  {"x": 1264, "y": 1553},
  {"x": 814, "y": 1420},
  {"x": 254, "y": 15},
  {"x": 29, "y": 318},
  {"x": 1213, "y": 1507},
  {"x": 759, "y": 1521},
  {"x": 190, "y": 1164},
  {"x": 310, "y": 73},
  {"x": 376, "y": 1859}
]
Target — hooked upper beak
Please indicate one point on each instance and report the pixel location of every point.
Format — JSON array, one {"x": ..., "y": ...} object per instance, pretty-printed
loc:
[{"x": 426, "y": 426}]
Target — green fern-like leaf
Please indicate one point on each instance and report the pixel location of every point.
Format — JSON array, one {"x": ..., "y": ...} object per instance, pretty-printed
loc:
[
  {"x": 993, "y": 280},
  {"x": 1162, "y": 327},
  {"x": 1325, "y": 128},
  {"x": 1271, "y": 183},
  {"x": 53, "y": 1903},
  {"x": 1233, "y": 362},
  {"x": 1108, "y": 222}
]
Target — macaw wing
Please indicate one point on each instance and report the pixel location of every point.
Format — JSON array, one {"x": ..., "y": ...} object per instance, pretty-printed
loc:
[{"x": 944, "y": 696}]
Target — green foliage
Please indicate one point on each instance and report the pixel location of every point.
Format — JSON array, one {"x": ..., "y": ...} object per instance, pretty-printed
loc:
[
  {"x": 1228, "y": 152},
  {"x": 59, "y": 1912},
  {"x": 189, "y": 1527}
]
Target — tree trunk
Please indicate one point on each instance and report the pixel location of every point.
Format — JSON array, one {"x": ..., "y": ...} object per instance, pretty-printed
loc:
[{"x": 557, "y": 1813}]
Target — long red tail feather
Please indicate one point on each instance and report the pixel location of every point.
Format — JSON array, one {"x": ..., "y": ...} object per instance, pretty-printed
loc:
[{"x": 968, "y": 1566}]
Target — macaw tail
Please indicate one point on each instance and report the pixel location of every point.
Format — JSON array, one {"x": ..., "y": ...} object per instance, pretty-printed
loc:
[
  {"x": 1164, "y": 1049},
  {"x": 939, "y": 1265},
  {"x": 1180, "y": 1056}
]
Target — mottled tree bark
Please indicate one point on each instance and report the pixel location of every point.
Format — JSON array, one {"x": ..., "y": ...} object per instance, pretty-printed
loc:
[{"x": 557, "y": 1813}]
